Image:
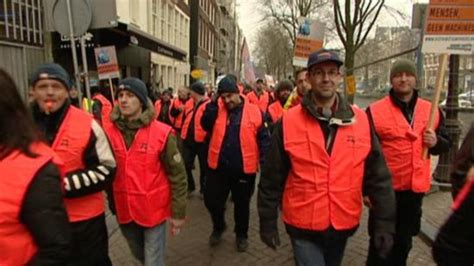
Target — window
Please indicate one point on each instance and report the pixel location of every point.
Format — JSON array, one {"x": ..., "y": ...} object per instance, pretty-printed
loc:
[
  {"x": 164, "y": 16},
  {"x": 21, "y": 21},
  {"x": 169, "y": 37}
]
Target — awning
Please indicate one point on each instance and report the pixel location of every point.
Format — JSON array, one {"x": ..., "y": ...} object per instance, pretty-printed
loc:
[{"x": 152, "y": 43}]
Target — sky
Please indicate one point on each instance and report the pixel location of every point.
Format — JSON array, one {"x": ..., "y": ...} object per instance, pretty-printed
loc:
[{"x": 249, "y": 17}]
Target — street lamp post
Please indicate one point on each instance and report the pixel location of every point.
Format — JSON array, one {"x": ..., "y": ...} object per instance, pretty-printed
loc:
[{"x": 452, "y": 123}]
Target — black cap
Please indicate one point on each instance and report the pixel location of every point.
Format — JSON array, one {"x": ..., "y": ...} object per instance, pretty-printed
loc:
[
  {"x": 227, "y": 84},
  {"x": 51, "y": 71},
  {"x": 137, "y": 87},
  {"x": 323, "y": 55},
  {"x": 198, "y": 87}
]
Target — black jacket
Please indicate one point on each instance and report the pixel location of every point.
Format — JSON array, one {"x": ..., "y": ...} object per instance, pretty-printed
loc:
[
  {"x": 463, "y": 162},
  {"x": 377, "y": 182},
  {"x": 44, "y": 215}
]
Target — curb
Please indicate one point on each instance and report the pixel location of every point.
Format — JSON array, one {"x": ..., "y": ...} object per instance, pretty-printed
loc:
[{"x": 427, "y": 233}]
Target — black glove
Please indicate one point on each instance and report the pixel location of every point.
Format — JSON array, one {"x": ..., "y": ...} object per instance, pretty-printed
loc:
[
  {"x": 269, "y": 234},
  {"x": 383, "y": 243}
]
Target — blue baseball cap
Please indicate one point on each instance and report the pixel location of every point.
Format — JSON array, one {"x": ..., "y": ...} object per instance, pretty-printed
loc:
[{"x": 323, "y": 55}]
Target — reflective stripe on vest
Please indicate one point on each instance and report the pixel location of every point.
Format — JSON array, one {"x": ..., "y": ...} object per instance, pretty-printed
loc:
[
  {"x": 249, "y": 126},
  {"x": 105, "y": 111},
  {"x": 199, "y": 133},
  {"x": 401, "y": 151},
  {"x": 276, "y": 111},
  {"x": 70, "y": 144},
  {"x": 141, "y": 189},
  {"x": 261, "y": 102},
  {"x": 321, "y": 189},
  {"x": 17, "y": 246}
]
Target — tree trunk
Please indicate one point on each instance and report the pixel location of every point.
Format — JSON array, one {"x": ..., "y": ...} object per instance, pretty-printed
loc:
[{"x": 349, "y": 65}]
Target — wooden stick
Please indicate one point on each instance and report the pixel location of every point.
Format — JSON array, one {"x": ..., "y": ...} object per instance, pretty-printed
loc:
[
  {"x": 112, "y": 91},
  {"x": 434, "y": 102}
]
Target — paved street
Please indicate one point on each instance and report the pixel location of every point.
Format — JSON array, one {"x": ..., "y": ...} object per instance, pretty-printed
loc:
[{"x": 191, "y": 248}]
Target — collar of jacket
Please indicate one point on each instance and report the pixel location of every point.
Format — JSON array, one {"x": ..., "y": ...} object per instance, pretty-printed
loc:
[
  {"x": 403, "y": 105},
  {"x": 147, "y": 116},
  {"x": 343, "y": 116}
]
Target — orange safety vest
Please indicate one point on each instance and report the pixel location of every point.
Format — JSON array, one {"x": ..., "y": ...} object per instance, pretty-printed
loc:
[
  {"x": 263, "y": 101},
  {"x": 106, "y": 109},
  {"x": 276, "y": 111},
  {"x": 199, "y": 133},
  {"x": 70, "y": 144},
  {"x": 249, "y": 126},
  {"x": 402, "y": 145},
  {"x": 188, "y": 107},
  {"x": 158, "y": 109},
  {"x": 18, "y": 170},
  {"x": 324, "y": 189},
  {"x": 142, "y": 191}
]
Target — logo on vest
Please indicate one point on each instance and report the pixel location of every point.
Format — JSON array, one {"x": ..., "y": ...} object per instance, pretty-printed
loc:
[
  {"x": 64, "y": 143},
  {"x": 351, "y": 139},
  {"x": 143, "y": 146}
]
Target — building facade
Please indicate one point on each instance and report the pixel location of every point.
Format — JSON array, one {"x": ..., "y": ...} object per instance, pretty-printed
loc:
[
  {"x": 203, "y": 39},
  {"x": 22, "y": 40},
  {"x": 150, "y": 38}
]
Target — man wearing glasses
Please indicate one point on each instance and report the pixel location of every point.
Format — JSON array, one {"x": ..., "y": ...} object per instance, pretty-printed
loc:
[{"x": 323, "y": 157}]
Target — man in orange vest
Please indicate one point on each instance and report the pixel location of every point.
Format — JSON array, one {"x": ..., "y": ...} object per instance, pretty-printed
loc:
[
  {"x": 194, "y": 137},
  {"x": 180, "y": 107},
  {"x": 150, "y": 186},
  {"x": 323, "y": 157},
  {"x": 260, "y": 96},
  {"x": 275, "y": 110},
  {"x": 302, "y": 87},
  {"x": 34, "y": 229},
  {"x": 163, "y": 107},
  {"x": 239, "y": 139},
  {"x": 400, "y": 121},
  {"x": 89, "y": 163},
  {"x": 101, "y": 107}
]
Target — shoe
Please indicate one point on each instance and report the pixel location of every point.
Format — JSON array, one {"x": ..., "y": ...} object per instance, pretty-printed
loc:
[
  {"x": 216, "y": 236},
  {"x": 242, "y": 244}
]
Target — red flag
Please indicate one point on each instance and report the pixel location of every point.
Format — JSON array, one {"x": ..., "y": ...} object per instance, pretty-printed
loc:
[{"x": 249, "y": 71}]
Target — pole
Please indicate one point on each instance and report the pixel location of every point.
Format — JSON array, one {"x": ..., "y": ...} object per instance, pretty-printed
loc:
[
  {"x": 434, "y": 102},
  {"x": 111, "y": 91},
  {"x": 452, "y": 124},
  {"x": 74, "y": 54},
  {"x": 86, "y": 71}
]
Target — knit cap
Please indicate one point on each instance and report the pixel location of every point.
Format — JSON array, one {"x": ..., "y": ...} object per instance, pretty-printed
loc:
[
  {"x": 51, "y": 71},
  {"x": 403, "y": 65},
  {"x": 137, "y": 87},
  {"x": 227, "y": 84},
  {"x": 198, "y": 87}
]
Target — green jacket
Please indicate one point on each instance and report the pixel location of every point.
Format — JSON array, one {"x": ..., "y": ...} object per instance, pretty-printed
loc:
[{"x": 170, "y": 157}]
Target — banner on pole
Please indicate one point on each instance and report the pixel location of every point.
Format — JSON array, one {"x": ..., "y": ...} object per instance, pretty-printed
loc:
[
  {"x": 449, "y": 27},
  {"x": 309, "y": 39},
  {"x": 107, "y": 64}
]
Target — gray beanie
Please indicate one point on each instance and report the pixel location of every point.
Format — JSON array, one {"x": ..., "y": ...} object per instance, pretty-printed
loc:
[{"x": 403, "y": 65}]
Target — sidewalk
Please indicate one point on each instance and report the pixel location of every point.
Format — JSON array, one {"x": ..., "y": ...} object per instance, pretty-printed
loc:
[{"x": 191, "y": 246}]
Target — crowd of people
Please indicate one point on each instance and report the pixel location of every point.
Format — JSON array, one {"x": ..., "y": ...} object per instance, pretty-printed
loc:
[{"x": 319, "y": 160}]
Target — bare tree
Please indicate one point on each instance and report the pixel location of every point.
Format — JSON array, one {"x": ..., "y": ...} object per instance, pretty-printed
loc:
[
  {"x": 287, "y": 12},
  {"x": 273, "y": 51},
  {"x": 354, "y": 19}
]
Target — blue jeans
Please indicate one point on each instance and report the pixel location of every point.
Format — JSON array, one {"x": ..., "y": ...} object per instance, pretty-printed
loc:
[
  {"x": 146, "y": 244},
  {"x": 320, "y": 251}
]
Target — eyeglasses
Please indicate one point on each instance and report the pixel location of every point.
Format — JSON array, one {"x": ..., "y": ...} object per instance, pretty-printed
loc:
[{"x": 320, "y": 73}]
